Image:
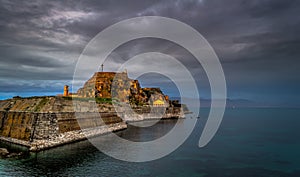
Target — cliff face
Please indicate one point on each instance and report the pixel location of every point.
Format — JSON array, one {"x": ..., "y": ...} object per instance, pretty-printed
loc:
[
  {"x": 101, "y": 83},
  {"x": 119, "y": 86}
]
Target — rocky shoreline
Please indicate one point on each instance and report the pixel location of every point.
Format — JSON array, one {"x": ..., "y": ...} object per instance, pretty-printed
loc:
[
  {"x": 4, "y": 153},
  {"x": 74, "y": 136}
]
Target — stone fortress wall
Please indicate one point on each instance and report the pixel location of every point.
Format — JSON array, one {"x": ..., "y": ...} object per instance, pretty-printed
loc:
[{"x": 30, "y": 120}]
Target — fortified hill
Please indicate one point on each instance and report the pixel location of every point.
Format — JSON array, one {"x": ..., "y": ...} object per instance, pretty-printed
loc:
[
  {"x": 118, "y": 86},
  {"x": 44, "y": 122}
]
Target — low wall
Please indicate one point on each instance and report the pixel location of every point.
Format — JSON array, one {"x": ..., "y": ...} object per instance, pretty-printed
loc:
[{"x": 157, "y": 113}]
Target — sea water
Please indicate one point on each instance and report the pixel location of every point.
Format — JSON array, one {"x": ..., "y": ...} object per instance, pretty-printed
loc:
[{"x": 249, "y": 142}]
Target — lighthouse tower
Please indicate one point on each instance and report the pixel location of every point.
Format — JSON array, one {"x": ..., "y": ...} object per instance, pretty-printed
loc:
[{"x": 66, "y": 90}]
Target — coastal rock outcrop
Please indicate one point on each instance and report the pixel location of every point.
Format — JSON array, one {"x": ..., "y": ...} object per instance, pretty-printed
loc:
[{"x": 3, "y": 152}]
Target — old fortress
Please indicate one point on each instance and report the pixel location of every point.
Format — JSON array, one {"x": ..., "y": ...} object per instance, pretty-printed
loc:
[
  {"x": 43, "y": 122},
  {"x": 118, "y": 86}
]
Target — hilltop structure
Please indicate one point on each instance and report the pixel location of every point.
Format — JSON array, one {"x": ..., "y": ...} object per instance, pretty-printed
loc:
[{"x": 118, "y": 86}]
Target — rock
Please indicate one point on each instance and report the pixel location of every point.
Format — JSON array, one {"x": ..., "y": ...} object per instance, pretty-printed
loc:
[
  {"x": 20, "y": 153},
  {"x": 3, "y": 152},
  {"x": 12, "y": 155}
]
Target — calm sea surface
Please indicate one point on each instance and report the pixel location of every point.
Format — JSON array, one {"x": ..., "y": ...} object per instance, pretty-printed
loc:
[{"x": 250, "y": 142}]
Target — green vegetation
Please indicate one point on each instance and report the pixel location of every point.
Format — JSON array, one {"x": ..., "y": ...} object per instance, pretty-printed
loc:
[
  {"x": 104, "y": 100},
  {"x": 41, "y": 104},
  {"x": 37, "y": 97},
  {"x": 17, "y": 97},
  {"x": 67, "y": 98},
  {"x": 97, "y": 100}
]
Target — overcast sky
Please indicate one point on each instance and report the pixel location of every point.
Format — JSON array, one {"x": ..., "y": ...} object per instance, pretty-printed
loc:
[{"x": 257, "y": 42}]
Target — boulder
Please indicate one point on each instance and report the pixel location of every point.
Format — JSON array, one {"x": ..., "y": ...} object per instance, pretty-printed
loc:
[
  {"x": 3, "y": 152},
  {"x": 11, "y": 155}
]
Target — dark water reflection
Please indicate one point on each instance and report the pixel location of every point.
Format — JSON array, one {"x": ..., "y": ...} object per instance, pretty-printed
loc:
[
  {"x": 250, "y": 142},
  {"x": 143, "y": 134}
]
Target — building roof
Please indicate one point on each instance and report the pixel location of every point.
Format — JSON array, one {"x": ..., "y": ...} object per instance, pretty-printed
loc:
[{"x": 158, "y": 102}]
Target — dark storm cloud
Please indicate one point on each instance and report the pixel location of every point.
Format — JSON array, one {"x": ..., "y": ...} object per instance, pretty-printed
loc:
[{"x": 257, "y": 41}]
